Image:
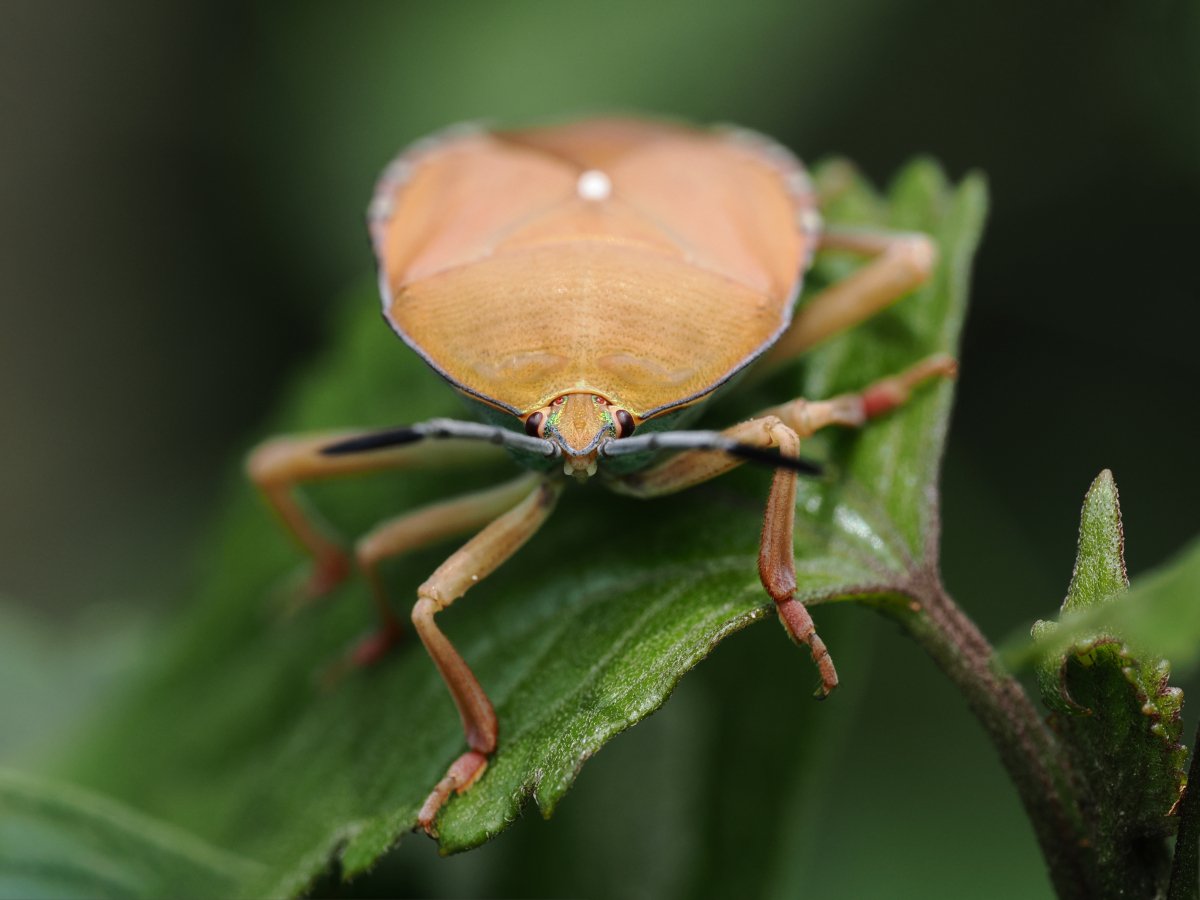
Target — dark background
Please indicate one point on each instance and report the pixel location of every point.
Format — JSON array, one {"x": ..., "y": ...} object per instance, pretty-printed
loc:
[{"x": 181, "y": 197}]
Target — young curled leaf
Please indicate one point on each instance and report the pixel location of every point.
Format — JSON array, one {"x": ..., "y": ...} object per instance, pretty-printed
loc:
[
  {"x": 1113, "y": 708},
  {"x": 1099, "y": 577}
]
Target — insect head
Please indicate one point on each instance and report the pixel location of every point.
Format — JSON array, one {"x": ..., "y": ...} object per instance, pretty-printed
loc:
[{"x": 579, "y": 423}]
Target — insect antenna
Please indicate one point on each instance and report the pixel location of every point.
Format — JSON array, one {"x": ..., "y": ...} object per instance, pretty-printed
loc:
[
  {"x": 472, "y": 431},
  {"x": 708, "y": 440},
  {"x": 442, "y": 429}
]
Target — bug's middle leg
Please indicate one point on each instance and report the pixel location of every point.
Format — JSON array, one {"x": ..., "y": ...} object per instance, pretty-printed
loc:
[
  {"x": 282, "y": 464},
  {"x": 478, "y": 558}
]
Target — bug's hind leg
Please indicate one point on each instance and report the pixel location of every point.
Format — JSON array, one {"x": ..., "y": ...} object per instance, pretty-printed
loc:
[
  {"x": 902, "y": 261},
  {"x": 478, "y": 558}
]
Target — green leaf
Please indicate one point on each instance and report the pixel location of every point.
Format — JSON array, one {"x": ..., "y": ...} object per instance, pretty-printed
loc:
[
  {"x": 52, "y": 673},
  {"x": 1099, "y": 577},
  {"x": 1117, "y": 716},
  {"x": 59, "y": 841},
  {"x": 583, "y": 633},
  {"x": 1160, "y": 611}
]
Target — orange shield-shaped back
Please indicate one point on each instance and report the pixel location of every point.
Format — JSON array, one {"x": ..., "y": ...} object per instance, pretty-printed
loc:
[{"x": 641, "y": 261}]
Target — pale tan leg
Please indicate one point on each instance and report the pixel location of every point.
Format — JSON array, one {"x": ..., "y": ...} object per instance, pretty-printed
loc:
[
  {"x": 279, "y": 465},
  {"x": 420, "y": 528},
  {"x": 783, "y": 427},
  {"x": 903, "y": 261},
  {"x": 776, "y": 556},
  {"x": 854, "y": 410},
  {"x": 478, "y": 558}
]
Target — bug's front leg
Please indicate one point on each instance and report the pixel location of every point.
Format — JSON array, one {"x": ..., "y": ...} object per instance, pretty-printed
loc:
[
  {"x": 784, "y": 427},
  {"x": 410, "y": 531},
  {"x": 776, "y": 558},
  {"x": 777, "y": 554},
  {"x": 478, "y": 558}
]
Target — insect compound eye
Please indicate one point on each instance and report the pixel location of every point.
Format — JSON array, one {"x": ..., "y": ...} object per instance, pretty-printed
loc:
[
  {"x": 559, "y": 401},
  {"x": 625, "y": 420},
  {"x": 533, "y": 425},
  {"x": 599, "y": 401}
]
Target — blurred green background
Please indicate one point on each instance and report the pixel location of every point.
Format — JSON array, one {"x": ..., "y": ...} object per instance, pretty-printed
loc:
[{"x": 181, "y": 197}]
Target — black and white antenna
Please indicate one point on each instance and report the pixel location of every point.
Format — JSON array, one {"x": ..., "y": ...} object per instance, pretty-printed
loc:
[{"x": 643, "y": 443}]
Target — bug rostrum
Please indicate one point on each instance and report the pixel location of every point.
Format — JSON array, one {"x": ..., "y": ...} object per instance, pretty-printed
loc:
[{"x": 588, "y": 288}]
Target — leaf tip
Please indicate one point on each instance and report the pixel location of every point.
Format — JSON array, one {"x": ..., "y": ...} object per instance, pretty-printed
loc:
[{"x": 1099, "y": 571}]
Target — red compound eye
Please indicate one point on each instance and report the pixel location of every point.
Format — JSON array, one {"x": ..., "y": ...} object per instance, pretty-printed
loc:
[
  {"x": 533, "y": 424},
  {"x": 560, "y": 401},
  {"x": 600, "y": 401},
  {"x": 625, "y": 420}
]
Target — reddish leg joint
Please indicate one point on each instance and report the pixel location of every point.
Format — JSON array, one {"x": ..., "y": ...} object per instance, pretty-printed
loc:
[
  {"x": 464, "y": 773},
  {"x": 375, "y": 647},
  {"x": 368, "y": 651},
  {"x": 328, "y": 571},
  {"x": 884, "y": 396},
  {"x": 799, "y": 625}
]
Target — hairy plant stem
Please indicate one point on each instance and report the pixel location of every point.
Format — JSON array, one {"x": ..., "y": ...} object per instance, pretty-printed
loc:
[
  {"x": 1185, "y": 868},
  {"x": 1028, "y": 748}
]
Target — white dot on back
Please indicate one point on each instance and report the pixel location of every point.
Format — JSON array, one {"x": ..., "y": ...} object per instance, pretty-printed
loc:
[{"x": 593, "y": 185}]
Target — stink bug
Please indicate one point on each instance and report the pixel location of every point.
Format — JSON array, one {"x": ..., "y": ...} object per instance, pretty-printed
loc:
[{"x": 588, "y": 288}]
